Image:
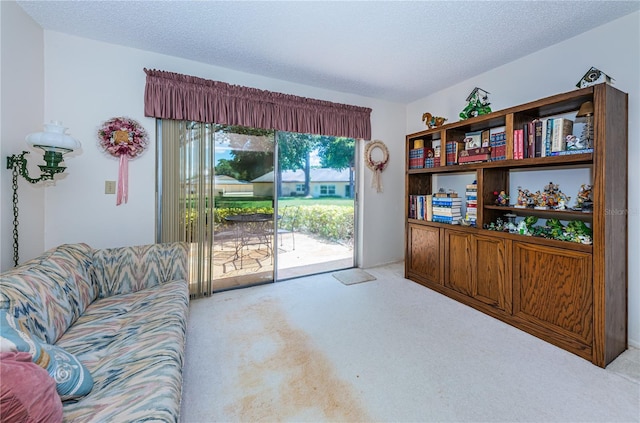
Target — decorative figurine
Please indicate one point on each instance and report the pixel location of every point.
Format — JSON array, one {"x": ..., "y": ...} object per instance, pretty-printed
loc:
[
  {"x": 511, "y": 223},
  {"x": 524, "y": 198},
  {"x": 593, "y": 76},
  {"x": 433, "y": 121},
  {"x": 478, "y": 104},
  {"x": 523, "y": 229},
  {"x": 502, "y": 198},
  {"x": 530, "y": 221},
  {"x": 562, "y": 201},
  {"x": 574, "y": 231},
  {"x": 540, "y": 203},
  {"x": 584, "y": 196}
]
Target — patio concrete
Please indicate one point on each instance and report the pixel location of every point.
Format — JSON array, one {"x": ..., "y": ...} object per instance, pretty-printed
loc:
[{"x": 311, "y": 255}]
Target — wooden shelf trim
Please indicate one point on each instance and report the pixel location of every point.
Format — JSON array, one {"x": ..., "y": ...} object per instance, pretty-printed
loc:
[{"x": 538, "y": 162}]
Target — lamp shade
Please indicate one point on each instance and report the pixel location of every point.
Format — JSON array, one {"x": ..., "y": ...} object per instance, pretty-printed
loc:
[{"x": 53, "y": 138}]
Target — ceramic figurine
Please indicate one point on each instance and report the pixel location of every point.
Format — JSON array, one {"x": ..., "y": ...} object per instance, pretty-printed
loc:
[
  {"x": 540, "y": 201},
  {"x": 523, "y": 200},
  {"x": 478, "y": 104},
  {"x": 433, "y": 121},
  {"x": 563, "y": 200},
  {"x": 523, "y": 229},
  {"x": 584, "y": 196},
  {"x": 502, "y": 198}
]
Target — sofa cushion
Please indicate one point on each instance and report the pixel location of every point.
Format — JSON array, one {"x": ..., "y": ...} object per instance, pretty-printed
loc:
[
  {"x": 71, "y": 377},
  {"x": 27, "y": 393},
  {"x": 133, "y": 344},
  {"x": 128, "y": 269},
  {"x": 47, "y": 294}
]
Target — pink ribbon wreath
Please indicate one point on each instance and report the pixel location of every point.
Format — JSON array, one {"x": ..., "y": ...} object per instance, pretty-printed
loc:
[{"x": 125, "y": 139}]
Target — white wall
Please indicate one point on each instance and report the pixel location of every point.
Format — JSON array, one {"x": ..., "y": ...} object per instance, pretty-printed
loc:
[
  {"x": 613, "y": 48},
  {"x": 88, "y": 82},
  {"x": 21, "y": 112}
]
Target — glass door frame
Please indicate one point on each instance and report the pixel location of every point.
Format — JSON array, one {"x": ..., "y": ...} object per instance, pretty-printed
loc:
[{"x": 356, "y": 208}]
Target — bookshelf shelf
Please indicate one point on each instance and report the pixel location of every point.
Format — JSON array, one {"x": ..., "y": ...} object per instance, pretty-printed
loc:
[
  {"x": 570, "y": 294},
  {"x": 547, "y": 214}
]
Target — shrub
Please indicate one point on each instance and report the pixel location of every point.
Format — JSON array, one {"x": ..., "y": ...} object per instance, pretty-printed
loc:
[{"x": 330, "y": 222}]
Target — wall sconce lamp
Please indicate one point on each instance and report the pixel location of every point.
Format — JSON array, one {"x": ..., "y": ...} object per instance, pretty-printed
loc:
[
  {"x": 586, "y": 112},
  {"x": 55, "y": 144}
]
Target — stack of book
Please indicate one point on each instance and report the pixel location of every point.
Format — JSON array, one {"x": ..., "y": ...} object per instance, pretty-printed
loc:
[
  {"x": 416, "y": 158},
  {"x": 471, "y": 194},
  {"x": 475, "y": 155},
  {"x": 498, "y": 143},
  {"x": 435, "y": 160},
  {"x": 446, "y": 210},
  {"x": 453, "y": 150}
]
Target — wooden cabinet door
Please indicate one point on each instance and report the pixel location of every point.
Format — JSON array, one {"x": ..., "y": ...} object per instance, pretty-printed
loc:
[
  {"x": 552, "y": 288},
  {"x": 458, "y": 261},
  {"x": 492, "y": 276},
  {"x": 424, "y": 252}
]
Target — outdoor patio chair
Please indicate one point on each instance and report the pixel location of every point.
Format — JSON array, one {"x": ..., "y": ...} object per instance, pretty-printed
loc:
[{"x": 290, "y": 215}]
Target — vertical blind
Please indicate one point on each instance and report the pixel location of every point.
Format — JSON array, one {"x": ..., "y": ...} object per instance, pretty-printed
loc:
[
  {"x": 188, "y": 107},
  {"x": 186, "y": 166}
]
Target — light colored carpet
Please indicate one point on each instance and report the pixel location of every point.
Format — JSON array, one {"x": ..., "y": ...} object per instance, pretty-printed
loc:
[
  {"x": 313, "y": 349},
  {"x": 353, "y": 276}
]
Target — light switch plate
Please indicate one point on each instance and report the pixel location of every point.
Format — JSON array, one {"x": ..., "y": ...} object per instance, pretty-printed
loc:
[{"x": 109, "y": 187}]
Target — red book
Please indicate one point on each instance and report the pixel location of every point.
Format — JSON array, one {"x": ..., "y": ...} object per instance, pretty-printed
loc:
[{"x": 518, "y": 144}]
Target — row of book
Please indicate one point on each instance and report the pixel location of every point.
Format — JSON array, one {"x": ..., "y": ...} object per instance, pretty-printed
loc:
[
  {"x": 540, "y": 137},
  {"x": 471, "y": 195},
  {"x": 435, "y": 209},
  {"x": 421, "y": 157},
  {"x": 416, "y": 158},
  {"x": 498, "y": 143},
  {"x": 546, "y": 137},
  {"x": 420, "y": 207}
]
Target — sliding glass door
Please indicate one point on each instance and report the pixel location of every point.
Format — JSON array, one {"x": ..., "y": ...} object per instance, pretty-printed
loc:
[
  {"x": 255, "y": 210},
  {"x": 315, "y": 186},
  {"x": 244, "y": 220}
]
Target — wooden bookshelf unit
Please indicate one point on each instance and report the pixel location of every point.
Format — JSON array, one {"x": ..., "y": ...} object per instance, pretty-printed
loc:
[{"x": 571, "y": 294}]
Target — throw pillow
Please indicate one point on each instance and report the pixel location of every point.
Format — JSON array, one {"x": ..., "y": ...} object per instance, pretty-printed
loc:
[
  {"x": 72, "y": 378},
  {"x": 27, "y": 393}
]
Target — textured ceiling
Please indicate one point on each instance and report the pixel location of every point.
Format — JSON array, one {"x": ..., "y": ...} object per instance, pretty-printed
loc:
[{"x": 393, "y": 50}]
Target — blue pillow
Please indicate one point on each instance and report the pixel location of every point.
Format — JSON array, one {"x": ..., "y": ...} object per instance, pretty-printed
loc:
[{"x": 73, "y": 380}]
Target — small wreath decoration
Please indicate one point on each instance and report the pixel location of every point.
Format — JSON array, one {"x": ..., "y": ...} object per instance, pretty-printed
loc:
[
  {"x": 372, "y": 164},
  {"x": 123, "y": 136},
  {"x": 376, "y": 166},
  {"x": 126, "y": 139}
]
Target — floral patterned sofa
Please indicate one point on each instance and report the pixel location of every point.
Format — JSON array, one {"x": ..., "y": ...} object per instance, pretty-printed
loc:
[{"x": 122, "y": 312}]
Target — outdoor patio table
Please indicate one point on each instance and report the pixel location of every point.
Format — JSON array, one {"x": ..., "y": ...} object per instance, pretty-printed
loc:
[{"x": 252, "y": 229}]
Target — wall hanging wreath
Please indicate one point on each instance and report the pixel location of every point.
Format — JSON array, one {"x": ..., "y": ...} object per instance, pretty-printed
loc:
[
  {"x": 376, "y": 166},
  {"x": 125, "y": 139}
]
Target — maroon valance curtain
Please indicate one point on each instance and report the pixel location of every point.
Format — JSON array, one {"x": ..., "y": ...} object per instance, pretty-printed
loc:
[{"x": 175, "y": 96}]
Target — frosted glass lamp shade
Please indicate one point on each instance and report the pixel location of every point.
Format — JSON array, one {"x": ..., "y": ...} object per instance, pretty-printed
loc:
[{"x": 53, "y": 139}]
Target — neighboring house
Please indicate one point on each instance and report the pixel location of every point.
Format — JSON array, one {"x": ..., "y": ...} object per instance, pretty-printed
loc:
[
  {"x": 323, "y": 183},
  {"x": 226, "y": 185}
]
